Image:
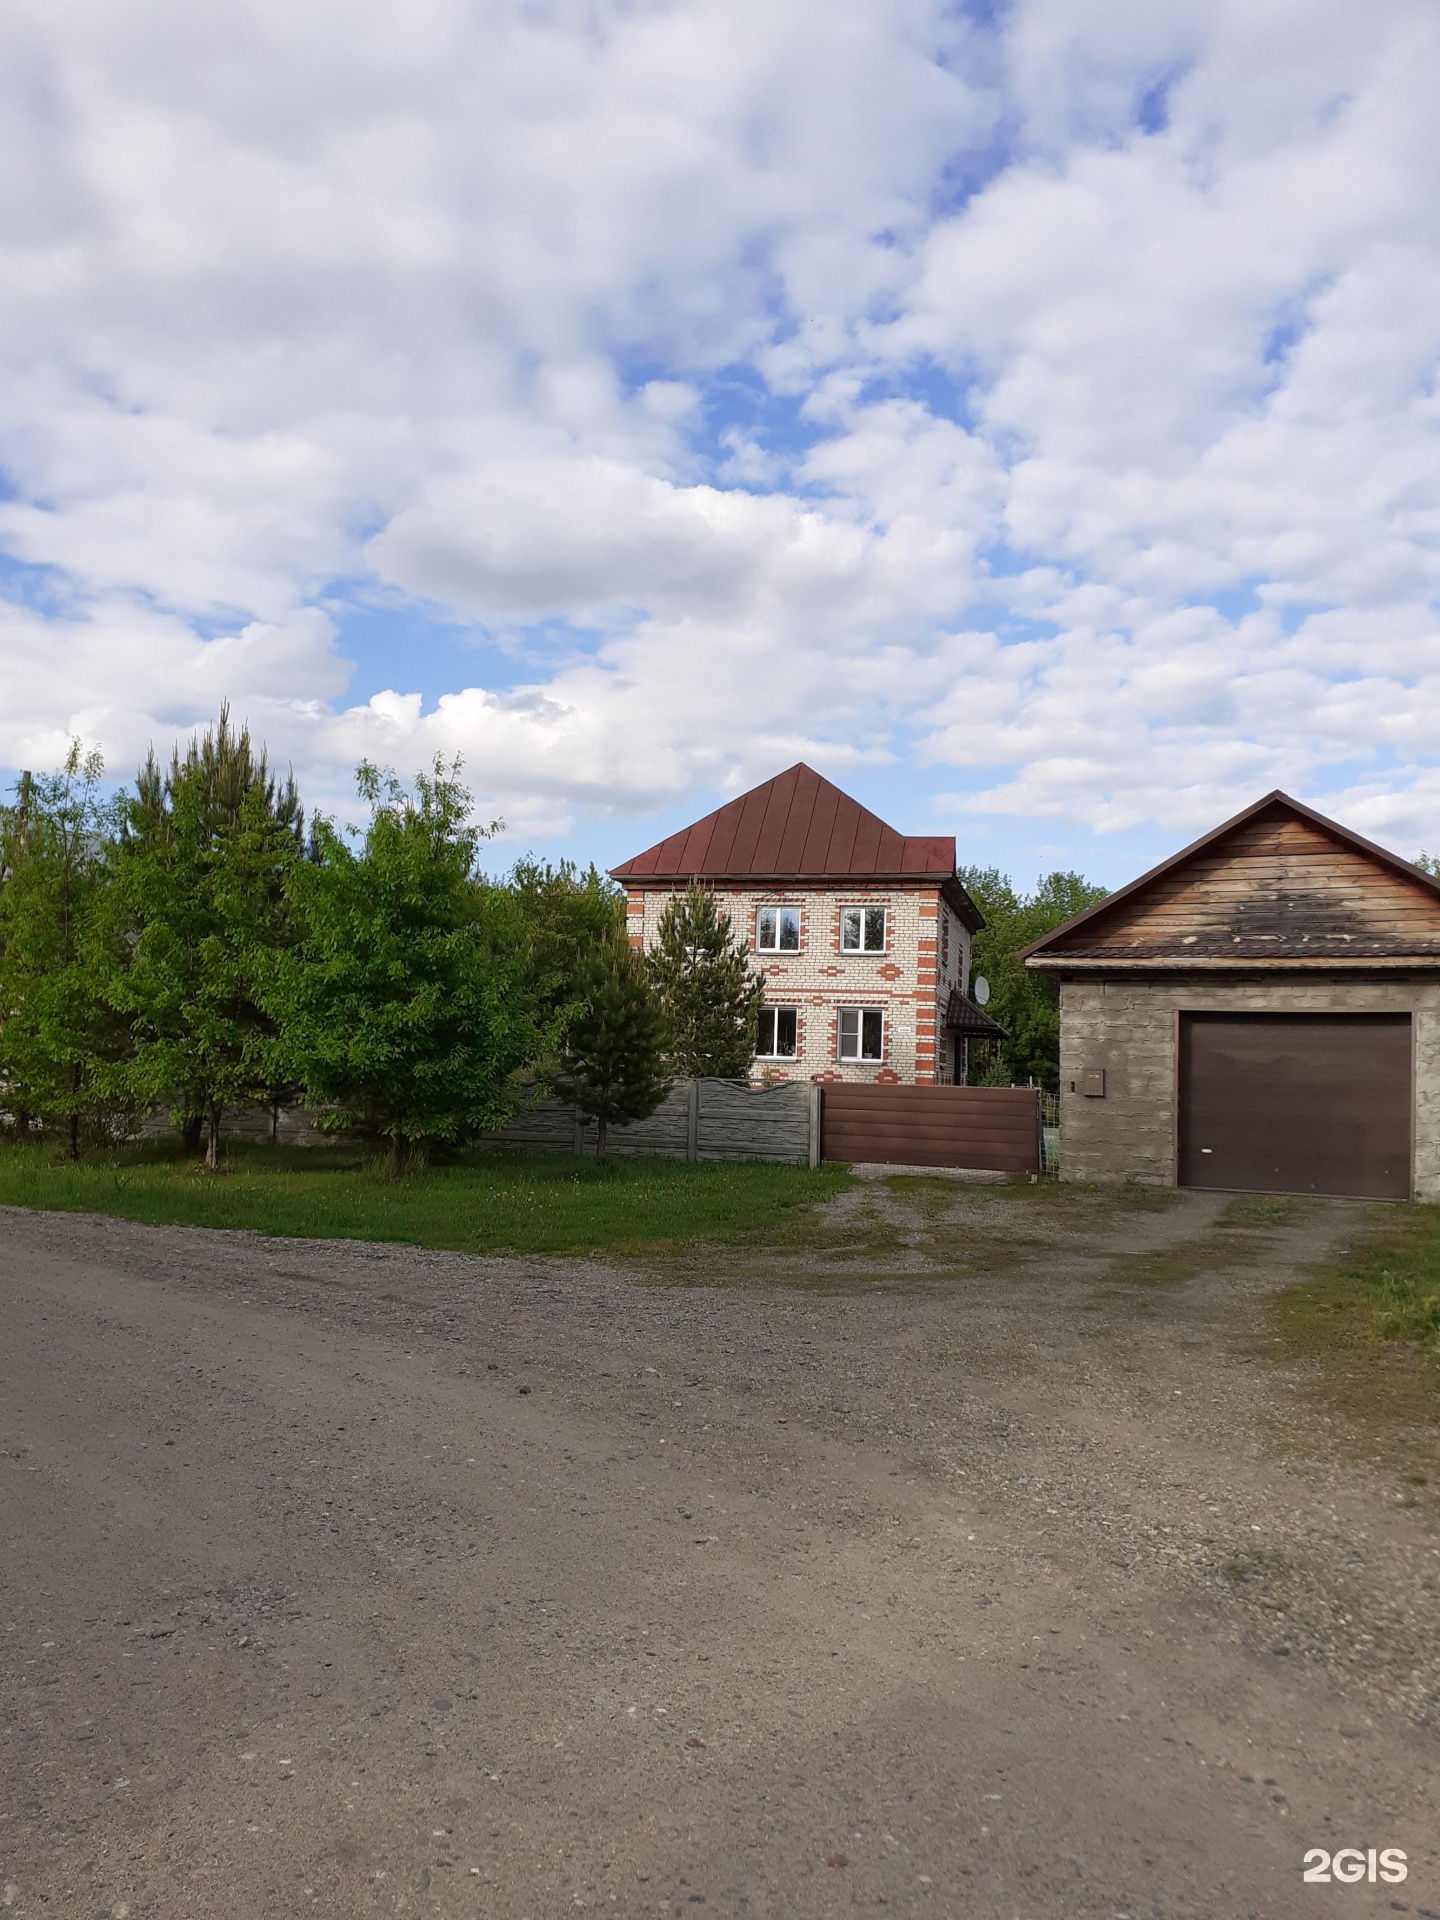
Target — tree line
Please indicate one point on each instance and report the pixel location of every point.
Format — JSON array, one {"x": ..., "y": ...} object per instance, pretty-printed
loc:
[
  {"x": 1025, "y": 1004},
  {"x": 189, "y": 944}
]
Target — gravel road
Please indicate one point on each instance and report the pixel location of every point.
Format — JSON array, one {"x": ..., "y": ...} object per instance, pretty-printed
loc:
[{"x": 352, "y": 1580}]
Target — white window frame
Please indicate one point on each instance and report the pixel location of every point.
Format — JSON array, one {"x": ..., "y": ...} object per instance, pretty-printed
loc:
[
  {"x": 775, "y": 1013},
  {"x": 779, "y": 909},
  {"x": 859, "y": 1058},
  {"x": 864, "y": 910}
]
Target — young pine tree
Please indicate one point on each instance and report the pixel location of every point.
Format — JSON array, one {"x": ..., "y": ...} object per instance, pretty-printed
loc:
[
  {"x": 204, "y": 867},
  {"x": 61, "y": 1042},
  {"x": 709, "y": 991},
  {"x": 616, "y": 1050},
  {"x": 406, "y": 1007}
]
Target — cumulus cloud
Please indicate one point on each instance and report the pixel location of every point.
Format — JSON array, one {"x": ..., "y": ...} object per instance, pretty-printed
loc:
[{"x": 1049, "y": 406}]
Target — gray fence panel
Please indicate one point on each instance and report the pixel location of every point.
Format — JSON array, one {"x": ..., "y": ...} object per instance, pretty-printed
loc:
[
  {"x": 703, "y": 1120},
  {"x": 698, "y": 1120},
  {"x": 666, "y": 1132},
  {"x": 760, "y": 1123}
]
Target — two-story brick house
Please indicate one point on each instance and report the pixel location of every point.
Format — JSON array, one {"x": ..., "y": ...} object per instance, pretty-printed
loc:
[{"x": 862, "y": 933}]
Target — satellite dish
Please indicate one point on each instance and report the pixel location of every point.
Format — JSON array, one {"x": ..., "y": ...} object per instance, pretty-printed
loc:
[{"x": 980, "y": 990}]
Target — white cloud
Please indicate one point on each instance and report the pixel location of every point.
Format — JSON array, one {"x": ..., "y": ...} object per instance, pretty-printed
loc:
[{"x": 1052, "y": 407}]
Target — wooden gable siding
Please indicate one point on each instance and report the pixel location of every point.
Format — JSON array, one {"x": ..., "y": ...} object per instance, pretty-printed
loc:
[{"x": 1277, "y": 888}]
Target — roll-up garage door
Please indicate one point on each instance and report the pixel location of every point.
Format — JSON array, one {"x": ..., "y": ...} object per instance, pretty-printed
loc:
[{"x": 1296, "y": 1103}]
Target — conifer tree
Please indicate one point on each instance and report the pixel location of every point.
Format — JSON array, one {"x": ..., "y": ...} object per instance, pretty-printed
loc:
[
  {"x": 60, "y": 1040},
  {"x": 204, "y": 865},
  {"x": 615, "y": 1056},
  {"x": 709, "y": 990}
]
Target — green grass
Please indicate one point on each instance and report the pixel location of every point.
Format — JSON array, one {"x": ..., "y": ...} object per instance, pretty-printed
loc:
[
  {"x": 1366, "y": 1330},
  {"x": 1387, "y": 1289},
  {"x": 1170, "y": 1266},
  {"x": 1264, "y": 1210},
  {"x": 525, "y": 1204}
]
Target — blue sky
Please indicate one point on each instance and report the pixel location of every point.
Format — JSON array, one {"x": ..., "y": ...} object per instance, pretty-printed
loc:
[{"x": 1025, "y": 414}]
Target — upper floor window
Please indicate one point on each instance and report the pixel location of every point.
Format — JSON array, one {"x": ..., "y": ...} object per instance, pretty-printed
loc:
[
  {"x": 777, "y": 930},
  {"x": 862, "y": 929}
]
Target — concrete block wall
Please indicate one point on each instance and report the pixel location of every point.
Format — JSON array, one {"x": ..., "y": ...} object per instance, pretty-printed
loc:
[
  {"x": 927, "y": 953},
  {"x": 1129, "y": 1027}
]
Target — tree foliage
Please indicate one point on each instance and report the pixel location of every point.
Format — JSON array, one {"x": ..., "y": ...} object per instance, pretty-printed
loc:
[
  {"x": 405, "y": 1004},
  {"x": 61, "y": 1041},
  {"x": 710, "y": 992},
  {"x": 560, "y": 917},
  {"x": 617, "y": 1046},
  {"x": 204, "y": 864},
  {"x": 1026, "y": 1004}
]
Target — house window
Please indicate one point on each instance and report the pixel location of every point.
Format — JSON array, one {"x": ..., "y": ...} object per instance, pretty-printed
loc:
[
  {"x": 862, "y": 1033},
  {"x": 778, "y": 1028},
  {"x": 862, "y": 929},
  {"x": 777, "y": 930}
]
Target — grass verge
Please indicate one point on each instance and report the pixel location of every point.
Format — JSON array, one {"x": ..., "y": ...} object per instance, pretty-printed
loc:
[
  {"x": 1386, "y": 1289},
  {"x": 1366, "y": 1332},
  {"x": 511, "y": 1203}
]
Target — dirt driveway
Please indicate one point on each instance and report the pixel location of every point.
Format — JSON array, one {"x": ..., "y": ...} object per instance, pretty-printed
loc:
[{"x": 967, "y": 1577}]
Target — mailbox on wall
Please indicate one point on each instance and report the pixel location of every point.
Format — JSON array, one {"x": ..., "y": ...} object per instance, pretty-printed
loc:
[{"x": 1091, "y": 1083}]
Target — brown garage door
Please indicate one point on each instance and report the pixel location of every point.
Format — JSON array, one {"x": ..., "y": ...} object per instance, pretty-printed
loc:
[{"x": 1296, "y": 1103}]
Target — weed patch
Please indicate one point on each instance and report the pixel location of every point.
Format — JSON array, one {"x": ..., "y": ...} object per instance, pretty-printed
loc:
[
  {"x": 1170, "y": 1266},
  {"x": 1264, "y": 1210}
]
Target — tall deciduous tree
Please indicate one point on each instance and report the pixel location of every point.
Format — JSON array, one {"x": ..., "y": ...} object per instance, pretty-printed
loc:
[
  {"x": 205, "y": 864},
  {"x": 61, "y": 1041},
  {"x": 710, "y": 991},
  {"x": 615, "y": 1056},
  {"x": 406, "y": 1006},
  {"x": 1025, "y": 1004}
]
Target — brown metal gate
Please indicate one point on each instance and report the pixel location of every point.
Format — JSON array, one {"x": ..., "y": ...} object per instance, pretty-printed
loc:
[
  {"x": 1296, "y": 1103},
  {"x": 995, "y": 1128}
]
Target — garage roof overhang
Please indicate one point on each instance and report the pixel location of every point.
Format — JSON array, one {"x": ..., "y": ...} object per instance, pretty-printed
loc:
[{"x": 1278, "y": 888}]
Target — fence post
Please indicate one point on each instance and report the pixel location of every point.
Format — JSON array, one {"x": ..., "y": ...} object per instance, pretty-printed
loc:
[
  {"x": 692, "y": 1123},
  {"x": 817, "y": 1096}
]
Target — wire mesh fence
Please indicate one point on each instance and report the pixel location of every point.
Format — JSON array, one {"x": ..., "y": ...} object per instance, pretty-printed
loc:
[{"x": 1049, "y": 1135}]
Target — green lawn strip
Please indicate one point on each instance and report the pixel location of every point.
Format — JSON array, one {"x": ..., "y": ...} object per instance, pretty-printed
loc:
[
  {"x": 511, "y": 1203},
  {"x": 1366, "y": 1330},
  {"x": 1386, "y": 1289}
]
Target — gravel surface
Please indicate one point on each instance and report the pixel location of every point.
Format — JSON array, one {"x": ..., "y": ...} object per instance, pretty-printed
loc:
[{"x": 988, "y": 1580}]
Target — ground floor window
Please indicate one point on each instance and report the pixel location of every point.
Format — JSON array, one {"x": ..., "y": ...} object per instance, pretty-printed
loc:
[
  {"x": 862, "y": 1033},
  {"x": 778, "y": 1028}
]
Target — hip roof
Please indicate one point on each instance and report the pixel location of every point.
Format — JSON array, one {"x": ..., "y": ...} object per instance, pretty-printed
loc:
[{"x": 800, "y": 827}]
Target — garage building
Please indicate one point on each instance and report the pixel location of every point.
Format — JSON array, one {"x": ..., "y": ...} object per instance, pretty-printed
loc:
[{"x": 1260, "y": 1013}]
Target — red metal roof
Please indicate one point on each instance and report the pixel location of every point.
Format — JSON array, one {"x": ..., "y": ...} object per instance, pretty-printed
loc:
[{"x": 794, "y": 827}]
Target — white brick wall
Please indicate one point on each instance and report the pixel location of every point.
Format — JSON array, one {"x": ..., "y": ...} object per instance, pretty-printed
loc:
[
  {"x": 927, "y": 953},
  {"x": 1128, "y": 1027}
]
